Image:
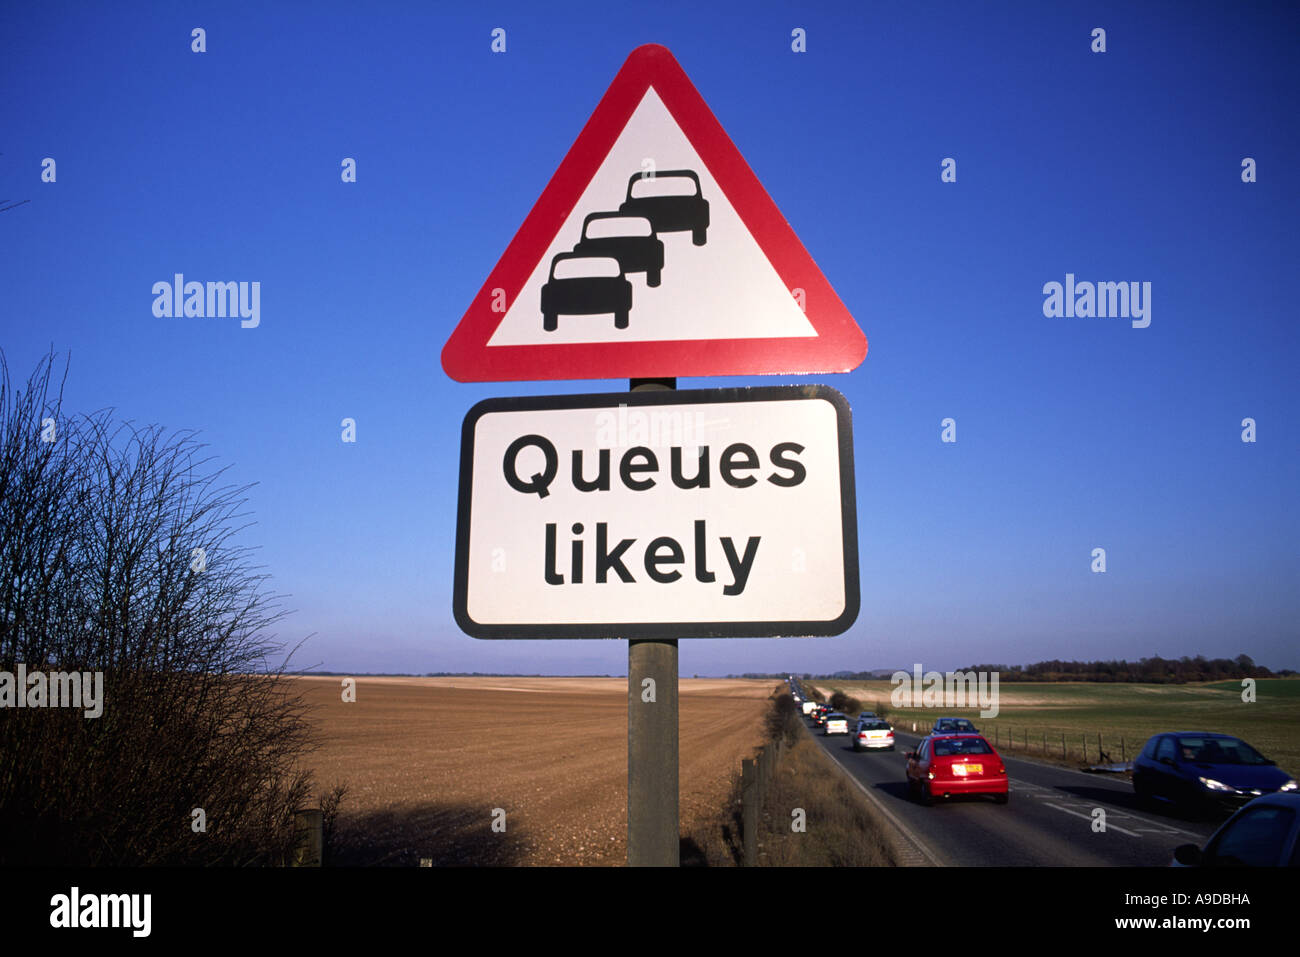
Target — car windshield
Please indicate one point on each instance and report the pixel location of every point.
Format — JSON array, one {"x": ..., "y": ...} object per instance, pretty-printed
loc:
[
  {"x": 836, "y": 717},
  {"x": 617, "y": 227},
  {"x": 874, "y": 726},
  {"x": 1219, "y": 751},
  {"x": 649, "y": 186},
  {"x": 950, "y": 746}
]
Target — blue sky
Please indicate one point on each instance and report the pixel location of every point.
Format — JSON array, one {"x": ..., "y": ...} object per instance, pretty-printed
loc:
[{"x": 1072, "y": 433}]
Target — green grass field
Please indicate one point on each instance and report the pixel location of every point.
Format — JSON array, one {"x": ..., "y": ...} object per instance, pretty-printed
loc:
[{"x": 1131, "y": 712}]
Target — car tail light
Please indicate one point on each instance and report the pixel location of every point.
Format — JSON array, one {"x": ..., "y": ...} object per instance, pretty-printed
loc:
[{"x": 889, "y": 734}]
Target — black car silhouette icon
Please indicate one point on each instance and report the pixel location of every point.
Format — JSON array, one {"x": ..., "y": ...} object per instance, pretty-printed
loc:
[
  {"x": 629, "y": 239},
  {"x": 672, "y": 202},
  {"x": 583, "y": 285}
]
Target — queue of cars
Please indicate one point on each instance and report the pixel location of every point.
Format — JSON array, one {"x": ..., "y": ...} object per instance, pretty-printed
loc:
[
  {"x": 591, "y": 279},
  {"x": 1199, "y": 770}
]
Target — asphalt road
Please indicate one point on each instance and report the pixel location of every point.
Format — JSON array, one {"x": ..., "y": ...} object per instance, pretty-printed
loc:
[{"x": 1048, "y": 820}]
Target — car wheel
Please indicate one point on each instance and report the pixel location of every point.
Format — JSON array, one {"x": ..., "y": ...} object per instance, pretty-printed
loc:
[
  {"x": 1002, "y": 798},
  {"x": 653, "y": 278},
  {"x": 925, "y": 796},
  {"x": 620, "y": 320},
  {"x": 550, "y": 322},
  {"x": 698, "y": 236}
]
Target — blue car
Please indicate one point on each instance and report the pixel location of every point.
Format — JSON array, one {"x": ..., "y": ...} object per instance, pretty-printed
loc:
[
  {"x": 1264, "y": 833},
  {"x": 1203, "y": 771}
]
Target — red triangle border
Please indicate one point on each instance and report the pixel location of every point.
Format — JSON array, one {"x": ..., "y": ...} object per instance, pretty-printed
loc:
[{"x": 839, "y": 345}]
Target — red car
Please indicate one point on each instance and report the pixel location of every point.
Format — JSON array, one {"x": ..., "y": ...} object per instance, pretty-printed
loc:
[{"x": 944, "y": 765}]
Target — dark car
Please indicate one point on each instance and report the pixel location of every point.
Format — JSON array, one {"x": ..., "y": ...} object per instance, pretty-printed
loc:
[
  {"x": 582, "y": 285},
  {"x": 953, "y": 726},
  {"x": 949, "y": 765},
  {"x": 683, "y": 209},
  {"x": 1203, "y": 770},
  {"x": 1264, "y": 833},
  {"x": 629, "y": 239}
]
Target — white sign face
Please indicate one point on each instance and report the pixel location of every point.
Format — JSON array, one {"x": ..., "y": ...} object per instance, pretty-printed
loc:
[
  {"x": 722, "y": 288},
  {"x": 726, "y": 512}
]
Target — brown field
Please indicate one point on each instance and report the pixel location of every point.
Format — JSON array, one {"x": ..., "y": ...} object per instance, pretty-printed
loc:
[{"x": 426, "y": 760}]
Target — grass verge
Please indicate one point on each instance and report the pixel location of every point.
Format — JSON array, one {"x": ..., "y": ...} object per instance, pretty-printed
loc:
[{"x": 811, "y": 817}]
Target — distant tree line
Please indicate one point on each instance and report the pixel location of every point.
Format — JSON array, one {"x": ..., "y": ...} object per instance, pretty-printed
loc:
[{"x": 1153, "y": 670}]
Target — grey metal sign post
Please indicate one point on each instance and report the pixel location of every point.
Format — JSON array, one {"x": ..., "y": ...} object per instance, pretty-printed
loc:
[{"x": 653, "y": 824}]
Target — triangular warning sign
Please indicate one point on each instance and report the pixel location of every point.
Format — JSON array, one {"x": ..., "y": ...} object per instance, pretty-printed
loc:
[{"x": 653, "y": 252}]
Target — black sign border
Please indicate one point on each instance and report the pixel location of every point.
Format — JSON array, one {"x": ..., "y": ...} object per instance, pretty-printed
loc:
[{"x": 692, "y": 629}]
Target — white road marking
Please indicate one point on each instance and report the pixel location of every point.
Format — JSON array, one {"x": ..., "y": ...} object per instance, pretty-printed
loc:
[{"x": 1088, "y": 817}]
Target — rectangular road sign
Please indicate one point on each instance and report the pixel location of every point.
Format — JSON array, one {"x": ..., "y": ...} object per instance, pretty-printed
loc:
[{"x": 706, "y": 513}]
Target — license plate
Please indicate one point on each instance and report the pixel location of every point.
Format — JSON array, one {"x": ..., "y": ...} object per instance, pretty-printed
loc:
[{"x": 968, "y": 769}]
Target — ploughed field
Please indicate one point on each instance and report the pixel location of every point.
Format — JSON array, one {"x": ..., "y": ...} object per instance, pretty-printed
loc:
[{"x": 428, "y": 761}]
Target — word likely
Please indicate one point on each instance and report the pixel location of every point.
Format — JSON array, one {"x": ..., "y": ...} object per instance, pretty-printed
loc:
[
  {"x": 217, "y": 301},
  {"x": 957, "y": 689},
  {"x": 62, "y": 689},
  {"x": 1102, "y": 300},
  {"x": 103, "y": 910},
  {"x": 660, "y": 555}
]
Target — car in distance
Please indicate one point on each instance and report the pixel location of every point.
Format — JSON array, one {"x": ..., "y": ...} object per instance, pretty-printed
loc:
[
  {"x": 582, "y": 285},
  {"x": 953, "y": 726},
  {"x": 873, "y": 735},
  {"x": 1204, "y": 771},
  {"x": 629, "y": 239},
  {"x": 809, "y": 707},
  {"x": 671, "y": 200},
  {"x": 948, "y": 765},
  {"x": 863, "y": 718},
  {"x": 1263, "y": 833},
  {"x": 835, "y": 723}
]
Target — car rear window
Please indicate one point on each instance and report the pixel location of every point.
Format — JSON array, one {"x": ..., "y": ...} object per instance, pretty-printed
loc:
[
  {"x": 949, "y": 746},
  {"x": 662, "y": 186},
  {"x": 618, "y": 226},
  {"x": 585, "y": 267}
]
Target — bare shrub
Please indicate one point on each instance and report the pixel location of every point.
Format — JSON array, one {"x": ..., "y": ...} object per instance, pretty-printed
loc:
[{"x": 99, "y": 525}]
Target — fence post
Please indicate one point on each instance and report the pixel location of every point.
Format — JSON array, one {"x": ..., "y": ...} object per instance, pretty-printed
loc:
[
  {"x": 1084, "y": 739},
  {"x": 1044, "y": 742},
  {"x": 308, "y": 838},
  {"x": 748, "y": 813},
  {"x": 1062, "y": 745},
  {"x": 1099, "y": 750},
  {"x": 1123, "y": 756}
]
